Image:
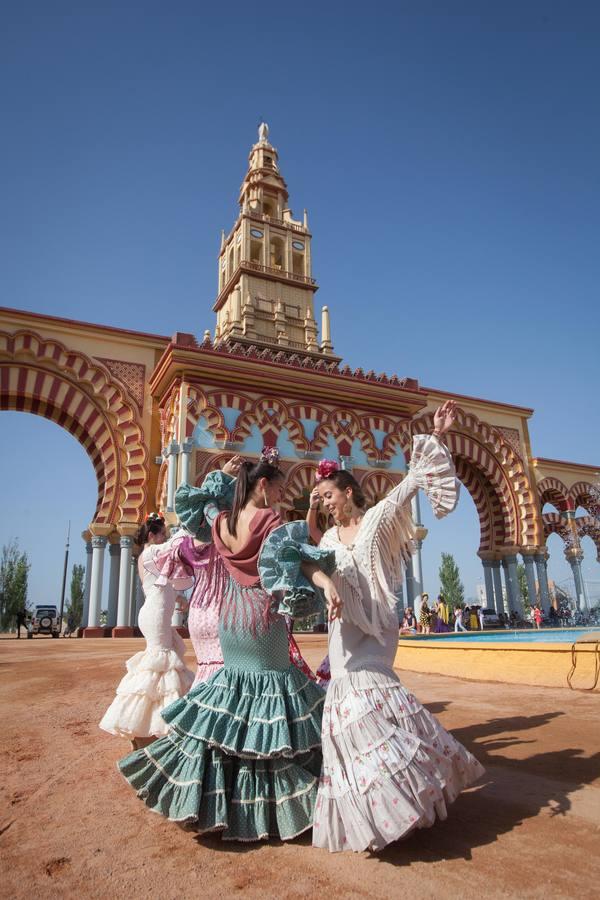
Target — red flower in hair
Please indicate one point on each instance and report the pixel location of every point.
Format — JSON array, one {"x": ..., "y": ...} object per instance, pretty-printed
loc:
[{"x": 327, "y": 468}]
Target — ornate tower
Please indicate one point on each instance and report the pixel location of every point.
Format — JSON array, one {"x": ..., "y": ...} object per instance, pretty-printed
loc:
[{"x": 266, "y": 288}]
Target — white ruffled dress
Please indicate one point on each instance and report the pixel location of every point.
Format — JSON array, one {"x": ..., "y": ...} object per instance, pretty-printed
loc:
[
  {"x": 156, "y": 676},
  {"x": 388, "y": 765}
]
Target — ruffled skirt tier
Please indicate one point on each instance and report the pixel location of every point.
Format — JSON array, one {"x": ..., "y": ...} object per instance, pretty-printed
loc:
[
  {"x": 388, "y": 765},
  {"x": 155, "y": 678},
  {"x": 242, "y": 756}
]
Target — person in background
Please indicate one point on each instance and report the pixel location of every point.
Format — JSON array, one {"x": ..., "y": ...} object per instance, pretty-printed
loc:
[
  {"x": 481, "y": 617},
  {"x": 21, "y": 621},
  {"x": 458, "y": 619},
  {"x": 425, "y": 616},
  {"x": 538, "y": 615},
  {"x": 473, "y": 621},
  {"x": 442, "y": 609},
  {"x": 409, "y": 622}
]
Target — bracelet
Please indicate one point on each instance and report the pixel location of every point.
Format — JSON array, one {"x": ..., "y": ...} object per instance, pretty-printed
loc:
[{"x": 314, "y": 507}]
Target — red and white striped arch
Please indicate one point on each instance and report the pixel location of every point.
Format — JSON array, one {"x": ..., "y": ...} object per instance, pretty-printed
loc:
[
  {"x": 46, "y": 378},
  {"x": 553, "y": 491},
  {"x": 492, "y": 472},
  {"x": 376, "y": 485},
  {"x": 581, "y": 495}
]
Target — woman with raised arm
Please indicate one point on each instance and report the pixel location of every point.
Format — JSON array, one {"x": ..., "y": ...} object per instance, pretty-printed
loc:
[
  {"x": 388, "y": 765},
  {"x": 155, "y": 676},
  {"x": 242, "y": 755}
]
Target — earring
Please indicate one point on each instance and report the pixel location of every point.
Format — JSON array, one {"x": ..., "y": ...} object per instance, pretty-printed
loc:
[
  {"x": 347, "y": 508},
  {"x": 265, "y": 500}
]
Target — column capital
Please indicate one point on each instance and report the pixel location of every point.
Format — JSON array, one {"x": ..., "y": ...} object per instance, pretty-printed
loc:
[
  {"x": 574, "y": 554},
  {"x": 172, "y": 449},
  {"x": 187, "y": 446},
  {"x": 542, "y": 556},
  {"x": 99, "y": 541},
  {"x": 528, "y": 552},
  {"x": 101, "y": 530},
  {"x": 509, "y": 559},
  {"x": 126, "y": 540}
]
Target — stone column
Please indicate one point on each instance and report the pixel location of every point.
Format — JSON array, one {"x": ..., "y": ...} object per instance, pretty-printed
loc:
[
  {"x": 186, "y": 457},
  {"x": 574, "y": 560},
  {"x": 420, "y": 535},
  {"x": 528, "y": 562},
  {"x": 172, "y": 452},
  {"x": 410, "y": 585},
  {"x": 123, "y": 629},
  {"x": 93, "y": 628},
  {"x": 139, "y": 596},
  {"x": 489, "y": 583},
  {"x": 400, "y": 603},
  {"x": 88, "y": 579},
  {"x": 114, "y": 552},
  {"x": 542, "y": 575},
  {"x": 132, "y": 612},
  {"x": 498, "y": 592},
  {"x": 515, "y": 601}
]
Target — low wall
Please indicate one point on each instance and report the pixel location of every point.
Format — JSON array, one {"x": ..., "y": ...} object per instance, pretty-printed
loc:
[{"x": 537, "y": 664}]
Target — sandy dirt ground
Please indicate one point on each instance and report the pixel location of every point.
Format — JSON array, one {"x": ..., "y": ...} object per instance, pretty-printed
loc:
[{"x": 70, "y": 826}]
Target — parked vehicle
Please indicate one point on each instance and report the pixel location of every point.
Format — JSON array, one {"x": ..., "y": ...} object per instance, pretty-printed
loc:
[
  {"x": 45, "y": 620},
  {"x": 490, "y": 619}
]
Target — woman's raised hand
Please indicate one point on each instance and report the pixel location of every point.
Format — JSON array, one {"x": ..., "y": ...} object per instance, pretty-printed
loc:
[
  {"x": 315, "y": 498},
  {"x": 444, "y": 418},
  {"x": 232, "y": 466}
]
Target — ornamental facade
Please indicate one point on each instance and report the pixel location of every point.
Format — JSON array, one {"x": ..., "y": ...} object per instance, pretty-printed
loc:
[{"x": 154, "y": 411}]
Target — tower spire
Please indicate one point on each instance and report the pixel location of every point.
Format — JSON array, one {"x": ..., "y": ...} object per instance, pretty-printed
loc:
[{"x": 266, "y": 289}]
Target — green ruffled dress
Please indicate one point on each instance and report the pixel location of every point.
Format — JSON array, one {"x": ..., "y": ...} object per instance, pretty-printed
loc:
[{"x": 243, "y": 751}]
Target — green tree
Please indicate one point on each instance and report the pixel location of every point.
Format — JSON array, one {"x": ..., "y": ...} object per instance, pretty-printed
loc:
[
  {"x": 522, "y": 579},
  {"x": 75, "y": 607},
  {"x": 450, "y": 584},
  {"x": 14, "y": 573}
]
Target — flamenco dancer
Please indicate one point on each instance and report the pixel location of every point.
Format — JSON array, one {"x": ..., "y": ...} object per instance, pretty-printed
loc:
[
  {"x": 155, "y": 676},
  {"x": 388, "y": 765},
  {"x": 242, "y": 755}
]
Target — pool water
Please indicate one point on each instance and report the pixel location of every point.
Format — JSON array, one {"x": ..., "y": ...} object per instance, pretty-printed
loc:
[{"x": 545, "y": 635}]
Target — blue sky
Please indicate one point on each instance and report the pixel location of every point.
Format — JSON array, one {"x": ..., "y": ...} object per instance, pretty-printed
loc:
[{"x": 448, "y": 155}]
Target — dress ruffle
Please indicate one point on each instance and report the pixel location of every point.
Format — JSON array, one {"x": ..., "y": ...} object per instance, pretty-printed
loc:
[
  {"x": 197, "y": 507},
  {"x": 155, "y": 678},
  {"x": 245, "y": 799},
  {"x": 433, "y": 470},
  {"x": 388, "y": 766},
  {"x": 242, "y": 756},
  {"x": 279, "y": 567},
  {"x": 206, "y": 670},
  {"x": 252, "y": 714},
  {"x": 167, "y": 565}
]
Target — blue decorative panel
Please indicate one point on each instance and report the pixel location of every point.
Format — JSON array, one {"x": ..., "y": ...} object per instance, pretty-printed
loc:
[
  {"x": 202, "y": 437},
  {"x": 379, "y": 436},
  {"x": 230, "y": 416},
  {"x": 310, "y": 426}
]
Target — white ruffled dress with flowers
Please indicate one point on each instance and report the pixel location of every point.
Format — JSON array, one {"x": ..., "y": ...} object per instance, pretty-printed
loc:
[
  {"x": 156, "y": 676},
  {"x": 388, "y": 765}
]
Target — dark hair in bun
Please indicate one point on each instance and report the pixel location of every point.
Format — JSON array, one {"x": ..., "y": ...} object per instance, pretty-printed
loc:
[{"x": 153, "y": 524}]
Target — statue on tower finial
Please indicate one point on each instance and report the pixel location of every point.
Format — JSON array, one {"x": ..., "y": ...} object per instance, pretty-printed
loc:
[{"x": 263, "y": 133}]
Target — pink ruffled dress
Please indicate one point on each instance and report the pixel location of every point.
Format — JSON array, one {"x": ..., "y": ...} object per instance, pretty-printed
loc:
[{"x": 156, "y": 676}]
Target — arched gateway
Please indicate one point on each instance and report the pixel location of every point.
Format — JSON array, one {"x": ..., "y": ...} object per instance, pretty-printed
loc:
[{"x": 152, "y": 412}]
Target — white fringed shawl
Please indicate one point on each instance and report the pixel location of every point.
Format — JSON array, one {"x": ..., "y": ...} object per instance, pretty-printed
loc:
[{"x": 384, "y": 542}]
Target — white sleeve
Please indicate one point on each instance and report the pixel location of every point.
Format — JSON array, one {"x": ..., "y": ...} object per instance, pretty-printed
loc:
[{"x": 386, "y": 539}]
